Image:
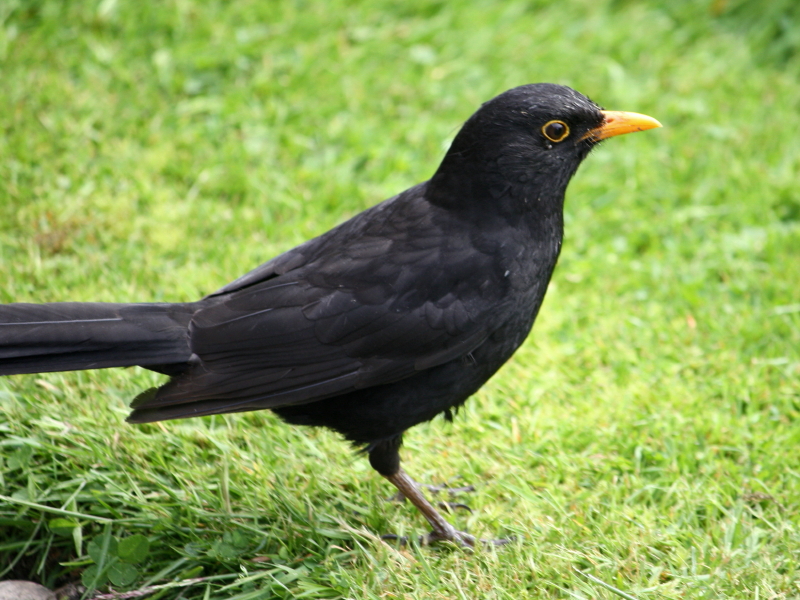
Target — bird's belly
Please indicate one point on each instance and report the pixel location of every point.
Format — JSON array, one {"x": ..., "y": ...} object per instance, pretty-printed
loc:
[{"x": 385, "y": 411}]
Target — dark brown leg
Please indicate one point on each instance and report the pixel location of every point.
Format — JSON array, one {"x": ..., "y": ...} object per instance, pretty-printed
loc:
[
  {"x": 442, "y": 530},
  {"x": 385, "y": 459},
  {"x": 448, "y": 505}
]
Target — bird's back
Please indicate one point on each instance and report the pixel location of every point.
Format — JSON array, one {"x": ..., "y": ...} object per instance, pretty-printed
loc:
[{"x": 394, "y": 316}]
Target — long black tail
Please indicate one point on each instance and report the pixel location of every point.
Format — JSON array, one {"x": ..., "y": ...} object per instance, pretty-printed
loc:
[{"x": 73, "y": 336}]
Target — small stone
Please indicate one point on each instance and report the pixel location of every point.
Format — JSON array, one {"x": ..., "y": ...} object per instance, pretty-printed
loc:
[{"x": 24, "y": 590}]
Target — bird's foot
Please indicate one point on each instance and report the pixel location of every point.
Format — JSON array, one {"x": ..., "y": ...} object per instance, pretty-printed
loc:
[
  {"x": 437, "y": 489},
  {"x": 459, "y": 538},
  {"x": 452, "y": 535},
  {"x": 453, "y": 491},
  {"x": 442, "y": 530},
  {"x": 448, "y": 506}
]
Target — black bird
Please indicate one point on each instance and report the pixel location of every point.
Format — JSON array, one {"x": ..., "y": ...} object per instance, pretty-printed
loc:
[{"x": 393, "y": 317}]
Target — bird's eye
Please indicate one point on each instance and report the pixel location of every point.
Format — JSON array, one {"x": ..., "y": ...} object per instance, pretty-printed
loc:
[{"x": 555, "y": 131}]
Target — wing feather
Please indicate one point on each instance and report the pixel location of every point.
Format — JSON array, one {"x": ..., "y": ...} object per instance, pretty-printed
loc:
[{"x": 371, "y": 302}]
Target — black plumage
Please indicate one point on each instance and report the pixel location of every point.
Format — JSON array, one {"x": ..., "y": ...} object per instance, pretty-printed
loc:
[{"x": 393, "y": 317}]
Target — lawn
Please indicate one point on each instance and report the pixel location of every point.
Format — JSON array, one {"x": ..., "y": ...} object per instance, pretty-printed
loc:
[{"x": 643, "y": 443}]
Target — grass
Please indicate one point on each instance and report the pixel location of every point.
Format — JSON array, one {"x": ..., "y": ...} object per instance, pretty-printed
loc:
[{"x": 644, "y": 441}]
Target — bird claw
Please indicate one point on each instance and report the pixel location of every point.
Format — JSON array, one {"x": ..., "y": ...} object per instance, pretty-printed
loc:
[
  {"x": 453, "y": 491},
  {"x": 448, "y": 506},
  {"x": 442, "y": 530},
  {"x": 436, "y": 489},
  {"x": 459, "y": 538},
  {"x": 452, "y": 506}
]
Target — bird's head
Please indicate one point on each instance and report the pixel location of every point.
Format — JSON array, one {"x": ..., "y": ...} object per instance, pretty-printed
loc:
[{"x": 521, "y": 148}]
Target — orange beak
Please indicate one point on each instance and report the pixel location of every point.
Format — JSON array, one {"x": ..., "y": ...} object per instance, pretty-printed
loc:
[{"x": 617, "y": 123}]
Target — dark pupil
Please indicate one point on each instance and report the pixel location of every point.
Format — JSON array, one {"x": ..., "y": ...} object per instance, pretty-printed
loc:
[{"x": 555, "y": 131}]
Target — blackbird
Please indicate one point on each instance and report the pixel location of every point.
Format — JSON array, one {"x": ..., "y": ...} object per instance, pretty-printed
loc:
[{"x": 387, "y": 320}]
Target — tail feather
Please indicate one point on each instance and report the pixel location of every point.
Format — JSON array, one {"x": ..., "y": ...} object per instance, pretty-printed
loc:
[{"x": 71, "y": 336}]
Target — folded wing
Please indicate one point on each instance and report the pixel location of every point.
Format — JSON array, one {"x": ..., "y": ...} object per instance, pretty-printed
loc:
[{"x": 365, "y": 305}]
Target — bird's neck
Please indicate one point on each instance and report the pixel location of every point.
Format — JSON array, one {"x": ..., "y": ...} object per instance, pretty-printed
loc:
[{"x": 510, "y": 192}]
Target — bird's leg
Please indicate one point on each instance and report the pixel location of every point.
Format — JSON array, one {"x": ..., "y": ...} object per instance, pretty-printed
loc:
[
  {"x": 384, "y": 457},
  {"x": 442, "y": 530},
  {"x": 436, "y": 489}
]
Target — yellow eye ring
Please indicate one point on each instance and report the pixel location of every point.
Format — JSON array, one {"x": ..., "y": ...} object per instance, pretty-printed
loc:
[{"x": 555, "y": 131}]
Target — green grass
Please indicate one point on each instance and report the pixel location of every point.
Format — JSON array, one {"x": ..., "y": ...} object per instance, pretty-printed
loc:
[{"x": 647, "y": 433}]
